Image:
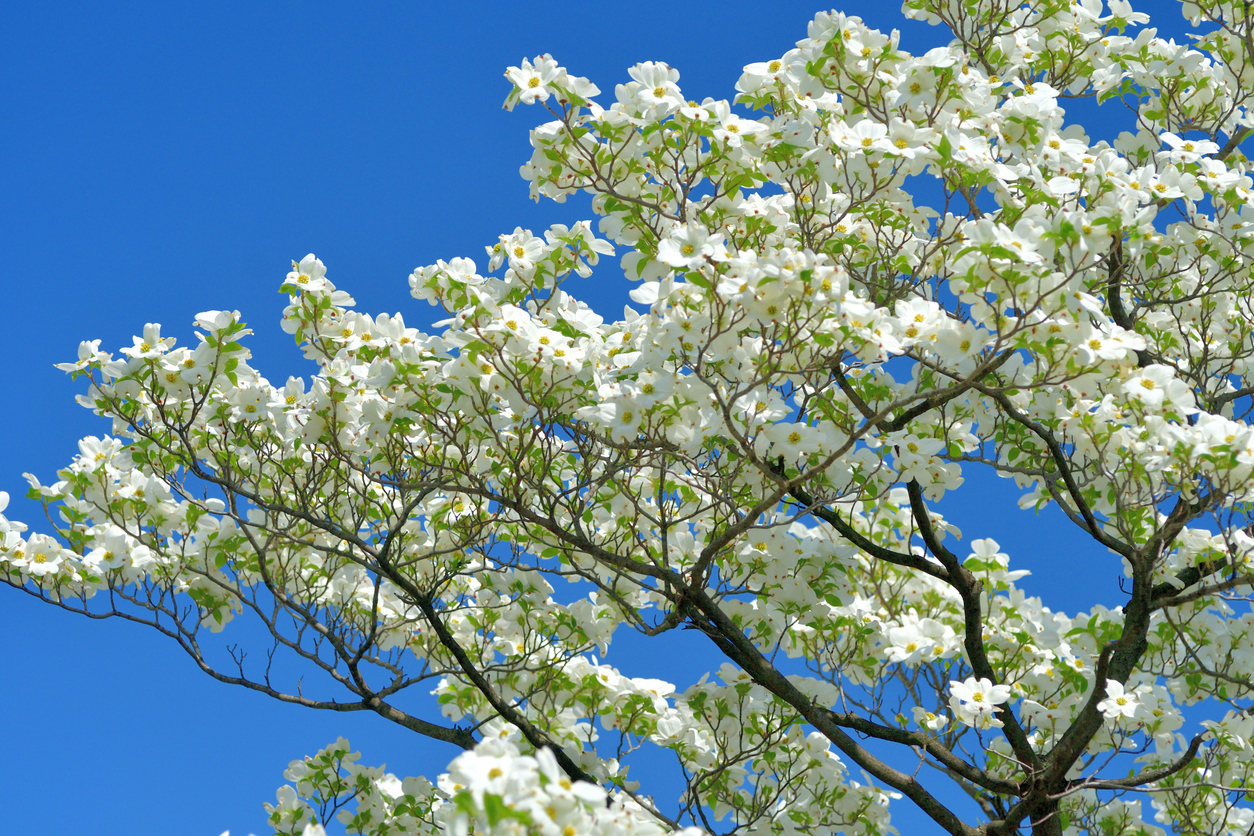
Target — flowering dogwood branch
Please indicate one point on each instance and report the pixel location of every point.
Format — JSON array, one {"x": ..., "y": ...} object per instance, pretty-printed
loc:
[{"x": 758, "y": 452}]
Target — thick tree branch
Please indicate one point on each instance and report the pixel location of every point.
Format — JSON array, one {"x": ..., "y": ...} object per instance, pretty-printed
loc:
[
  {"x": 969, "y": 589},
  {"x": 1063, "y": 464},
  {"x": 832, "y": 518},
  {"x": 737, "y": 645},
  {"x": 502, "y": 706},
  {"x": 1115, "y": 266}
]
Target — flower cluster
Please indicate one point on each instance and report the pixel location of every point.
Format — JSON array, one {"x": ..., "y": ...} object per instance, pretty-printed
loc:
[{"x": 491, "y": 790}]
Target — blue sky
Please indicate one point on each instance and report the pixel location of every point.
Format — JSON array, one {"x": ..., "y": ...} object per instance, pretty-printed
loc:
[{"x": 162, "y": 159}]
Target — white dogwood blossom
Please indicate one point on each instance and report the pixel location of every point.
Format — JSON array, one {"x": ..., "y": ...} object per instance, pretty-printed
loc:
[
  {"x": 975, "y": 701},
  {"x": 866, "y": 278}
]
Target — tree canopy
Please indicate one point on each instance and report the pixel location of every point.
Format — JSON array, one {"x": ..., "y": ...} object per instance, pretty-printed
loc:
[{"x": 867, "y": 274}]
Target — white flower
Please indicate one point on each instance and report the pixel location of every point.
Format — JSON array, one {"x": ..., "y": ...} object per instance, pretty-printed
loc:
[
  {"x": 1118, "y": 702},
  {"x": 309, "y": 275},
  {"x": 990, "y": 564},
  {"x": 928, "y": 719},
  {"x": 867, "y": 135},
  {"x": 975, "y": 701},
  {"x": 150, "y": 344},
  {"x": 689, "y": 246},
  {"x": 533, "y": 80},
  {"x": 1156, "y": 386},
  {"x": 653, "y": 92}
]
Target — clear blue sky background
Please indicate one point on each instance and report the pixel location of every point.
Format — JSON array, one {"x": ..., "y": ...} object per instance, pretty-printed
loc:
[{"x": 160, "y": 159}]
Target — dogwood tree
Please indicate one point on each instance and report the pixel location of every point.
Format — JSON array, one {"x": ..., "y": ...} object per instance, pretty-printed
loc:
[{"x": 866, "y": 274}]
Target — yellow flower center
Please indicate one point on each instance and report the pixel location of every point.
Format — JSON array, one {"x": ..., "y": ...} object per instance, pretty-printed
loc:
[{"x": 533, "y": 82}]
